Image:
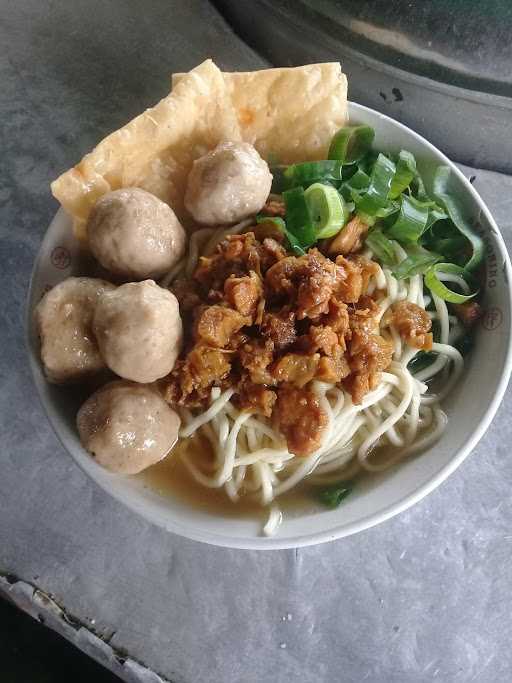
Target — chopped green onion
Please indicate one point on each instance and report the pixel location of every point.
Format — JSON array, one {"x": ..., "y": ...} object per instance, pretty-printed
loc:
[
  {"x": 450, "y": 247},
  {"x": 309, "y": 172},
  {"x": 376, "y": 197},
  {"x": 405, "y": 172},
  {"x": 381, "y": 246},
  {"x": 298, "y": 217},
  {"x": 357, "y": 182},
  {"x": 281, "y": 226},
  {"x": 332, "y": 496},
  {"x": 418, "y": 189},
  {"x": 438, "y": 287},
  {"x": 351, "y": 143},
  {"x": 418, "y": 260},
  {"x": 440, "y": 185},
  {"x": 327, "y": 208},
  {"x": 411, "y": 222},
  {"x": 367, "y": 163},
  {"x": 435, "y": 214}
]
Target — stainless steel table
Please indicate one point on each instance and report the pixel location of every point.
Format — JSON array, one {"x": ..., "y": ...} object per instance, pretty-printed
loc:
[{"x": 423, "y": 597}]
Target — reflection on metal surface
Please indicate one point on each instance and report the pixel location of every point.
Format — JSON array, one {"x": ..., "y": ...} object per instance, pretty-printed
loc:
[{"x": 442, "y": 68}]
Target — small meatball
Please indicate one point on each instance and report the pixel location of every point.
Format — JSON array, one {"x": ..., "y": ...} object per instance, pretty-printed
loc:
[
  {"x": 139, "y": 330},
  {"x": 228, "y": 184},
  {"x": 127, "y": 427},
  {"x": 69, "y": 351},
  {"x": 134, "y": 234}
]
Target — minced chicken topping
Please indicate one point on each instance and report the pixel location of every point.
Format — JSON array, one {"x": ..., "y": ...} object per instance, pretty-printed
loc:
[{"x": 268, "y": 323}]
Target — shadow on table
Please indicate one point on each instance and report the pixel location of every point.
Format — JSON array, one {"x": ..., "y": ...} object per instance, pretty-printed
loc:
[{"x": 31, "y": 653}]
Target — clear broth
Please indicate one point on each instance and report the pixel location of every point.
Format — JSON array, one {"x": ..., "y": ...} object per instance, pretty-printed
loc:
[{"x": 171, "y": 479}]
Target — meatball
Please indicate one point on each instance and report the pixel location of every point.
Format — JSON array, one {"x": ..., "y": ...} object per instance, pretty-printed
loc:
[
  {"x": 135, "y": 235},
  {"x": 228, "y": 184},
  {"x": 127, "y": 427},
  {"x": 69, "y": 351},
  {"x": 139, "y": 330}
]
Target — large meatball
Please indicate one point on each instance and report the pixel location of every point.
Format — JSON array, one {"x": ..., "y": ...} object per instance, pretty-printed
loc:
[
  {"x": 134, "y": 234},
  {"x": 228, "y": 184},
  {"x": 69, "y": 351},
  {"x": 127, "y": 427},
  {"x": 139, "y": 330}
]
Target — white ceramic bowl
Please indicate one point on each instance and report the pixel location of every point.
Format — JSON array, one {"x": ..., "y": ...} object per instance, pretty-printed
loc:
[{"x": 470, "y": 407}]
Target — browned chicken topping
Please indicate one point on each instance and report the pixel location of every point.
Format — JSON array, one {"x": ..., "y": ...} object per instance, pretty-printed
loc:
[
  {"x": 369, "y": 353},
  {"x": 217, "y": 324},
  {"x": 274, "y": 207},
  {"x": 188, "y": 294},
  {"x": 256, "y": 398},
  {"x": 244, "y": 293},
  {"x": 350, "y": 239},
  {"x": 334, "y": 368},
  {"x": 413, "y": 324},
  {"x": 196, "y": 374},
  {"x": 268, "y": 324},
  {"x": 280, "y": 327},
  {"x": 300, "y": 418},
  {"x": 295, "y": 368},
  {"x": 468, "y": 313},
  {"x": 255, "y": 357},
  {"x": 320, "y": 338}
]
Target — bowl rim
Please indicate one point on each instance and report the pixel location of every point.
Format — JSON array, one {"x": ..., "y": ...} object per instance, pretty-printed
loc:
[{"x": 344, "y": 530}]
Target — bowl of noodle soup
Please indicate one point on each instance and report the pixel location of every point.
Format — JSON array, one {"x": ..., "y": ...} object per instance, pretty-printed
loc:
[{"x": 441, "y": 431}]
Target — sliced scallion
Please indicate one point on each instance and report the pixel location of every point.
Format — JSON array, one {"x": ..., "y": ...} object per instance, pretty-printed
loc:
[
  {"x": 327, "y": 208},
  {"x": 418, "y": 260},
  {"x": 309, "y": 172},
  {"x": 381, "y": 246},
  {"x": 359, "y": 181},
  {"x": 411, "y": 222},
  {"x": 332, "y": 496},
  {"x": 434, "y": 283},
  {"x": 376, "y": 196},
  {"x": 405, "y": 172},
  {"x": 441, "y": 193},
  {"x": 351, "y": 143},
  {"x": 298, "y": 217}
]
